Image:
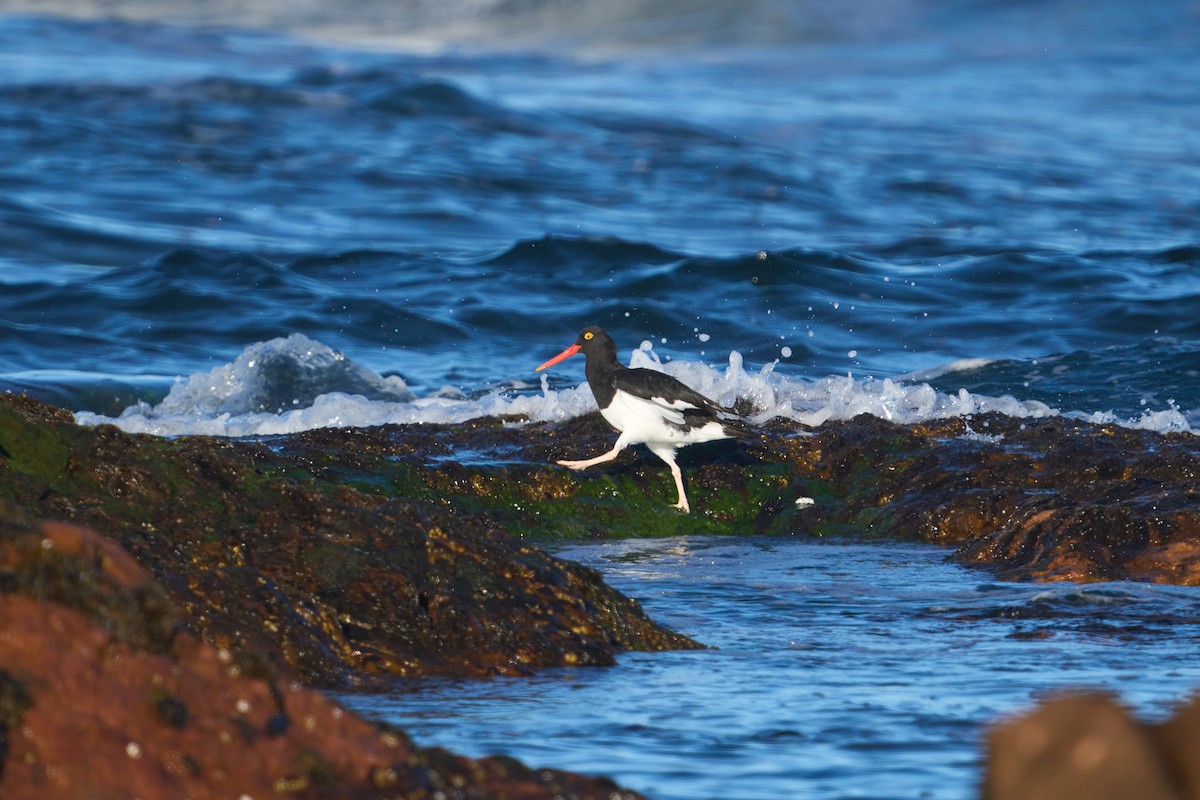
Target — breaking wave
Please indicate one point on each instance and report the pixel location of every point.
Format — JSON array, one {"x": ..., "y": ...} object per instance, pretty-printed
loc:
[{"x": 293, "y": 384}]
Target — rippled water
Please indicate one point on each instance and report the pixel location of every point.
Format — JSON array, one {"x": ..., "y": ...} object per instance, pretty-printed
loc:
[
  {"x": 446, "y": 195},
  {"x": 840, "y": 670}
]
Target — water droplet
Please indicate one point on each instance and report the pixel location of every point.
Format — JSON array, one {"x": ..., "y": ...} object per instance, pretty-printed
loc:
[
  {"x": 852, "y": 353},
  {"x": 786, "y": 352}
]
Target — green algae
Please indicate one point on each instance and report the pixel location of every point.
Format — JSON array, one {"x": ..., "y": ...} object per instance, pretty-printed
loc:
[
  {"x": 38, "y": 451},
  {"x": 525, "y": 495}
]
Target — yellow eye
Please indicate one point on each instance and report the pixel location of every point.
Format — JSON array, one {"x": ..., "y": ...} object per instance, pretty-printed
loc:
[{"x": 588, "y": 335}]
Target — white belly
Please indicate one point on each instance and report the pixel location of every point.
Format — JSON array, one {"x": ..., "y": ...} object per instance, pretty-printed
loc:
[{"x": 646, "y": 421}]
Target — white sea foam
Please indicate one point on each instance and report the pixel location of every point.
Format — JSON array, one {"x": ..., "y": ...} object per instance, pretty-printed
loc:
[
  {"x": 961, "y": 365},
  {"x": 295, "y": 384}
]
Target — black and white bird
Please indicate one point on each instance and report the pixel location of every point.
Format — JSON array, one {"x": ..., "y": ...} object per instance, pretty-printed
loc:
[{"x": 647, "y": 407}]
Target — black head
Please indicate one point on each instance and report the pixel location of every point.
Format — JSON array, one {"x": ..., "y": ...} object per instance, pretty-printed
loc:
[
  {"x": 593, "y": 342},
  {"x": 594, "y": 339}
]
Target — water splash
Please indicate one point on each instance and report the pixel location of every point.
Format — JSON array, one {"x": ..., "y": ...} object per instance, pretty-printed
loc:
[{"x": 294, "y": 384}]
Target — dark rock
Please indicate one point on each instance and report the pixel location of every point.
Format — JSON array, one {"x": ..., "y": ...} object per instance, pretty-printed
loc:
[
  {"x": 1054, "y": 499},
  {"x": 346, "y": 553},
  {"x": 15, "y": 700},
  {"x": 1042, "y": 500},
  {"x": 281, "y": 556},
  {"x": 93, "y": 707}
]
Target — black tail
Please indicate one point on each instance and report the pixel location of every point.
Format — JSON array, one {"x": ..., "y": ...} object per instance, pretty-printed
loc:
[{"x": 737, "y": 427}]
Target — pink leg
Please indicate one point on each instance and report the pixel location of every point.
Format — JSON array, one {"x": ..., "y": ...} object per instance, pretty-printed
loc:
[
  {"x": 667, "y": 454},
  {"x": 591, "y": 462}
]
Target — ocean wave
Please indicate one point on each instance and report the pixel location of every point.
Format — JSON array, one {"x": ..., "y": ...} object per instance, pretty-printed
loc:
[{"x": 292, "y": 384}]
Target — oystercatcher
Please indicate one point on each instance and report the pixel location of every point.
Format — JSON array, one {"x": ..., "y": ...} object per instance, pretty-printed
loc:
[{"x": 646, "y": 406}]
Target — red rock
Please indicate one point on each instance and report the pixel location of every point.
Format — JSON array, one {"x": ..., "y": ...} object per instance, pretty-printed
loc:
[{"x": 89, "y": 713}]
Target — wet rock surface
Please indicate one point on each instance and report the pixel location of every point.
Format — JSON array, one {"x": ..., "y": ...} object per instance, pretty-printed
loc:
[
  {"x": 103, "y": 693},
  {"x": 1050, "y": 499},
  {"x": 349, "y": 553},
  {"x": 1088, "y": 745},
  {"x": 226, "y": 571},
  {"x": 275, "y": 555},
  {"x": 1053, "y": 499}
]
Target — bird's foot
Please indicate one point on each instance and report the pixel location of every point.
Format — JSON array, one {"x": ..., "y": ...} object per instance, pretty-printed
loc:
[
  {"x": 575, "y": 464},
  {"x": 683, "y": 506}
]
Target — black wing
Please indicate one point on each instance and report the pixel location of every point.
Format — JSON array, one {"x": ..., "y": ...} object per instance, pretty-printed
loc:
[{"x": 674, "y": 395}]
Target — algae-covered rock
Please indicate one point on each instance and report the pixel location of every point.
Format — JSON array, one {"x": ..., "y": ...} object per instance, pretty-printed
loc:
[
  {"x": 1050, "y": 499},
  {"x": 99, "y": 698},
  {"x": 1053, "y": 499},
  {"x": 261, "y": 553},
  {"x": 346, "y": 553}
]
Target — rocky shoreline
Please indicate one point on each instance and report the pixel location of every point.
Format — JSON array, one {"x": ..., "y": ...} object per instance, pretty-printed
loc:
[
  {"x": 104, "y": 693},
  {"x": 281, "y": 554},
  {"x": 199, "y": 568}
]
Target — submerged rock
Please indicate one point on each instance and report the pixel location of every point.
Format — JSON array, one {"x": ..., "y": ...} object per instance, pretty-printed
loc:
[{"x": 104, "y": 694}]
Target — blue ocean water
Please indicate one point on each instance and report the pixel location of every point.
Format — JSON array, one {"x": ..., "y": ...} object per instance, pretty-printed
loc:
[
  {"x": 841, "y": 670},
  {"x": 262, "y": 217},
  {"x": 957, "y": 196}
]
